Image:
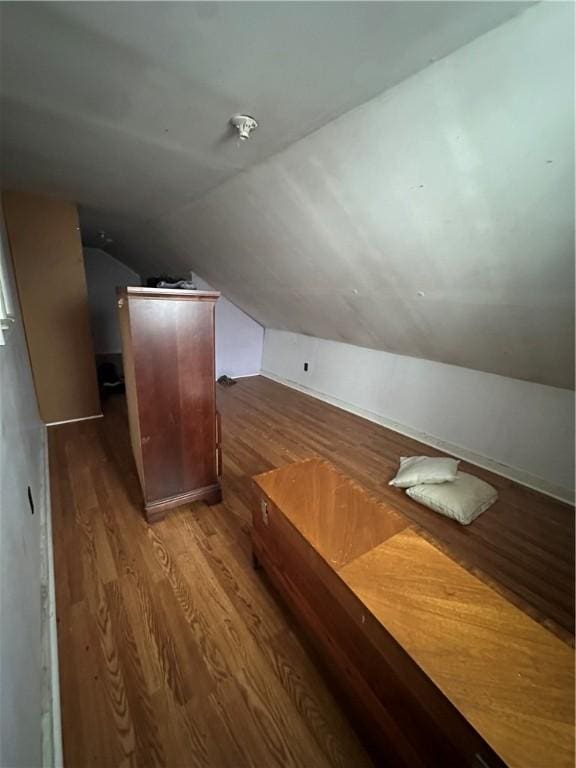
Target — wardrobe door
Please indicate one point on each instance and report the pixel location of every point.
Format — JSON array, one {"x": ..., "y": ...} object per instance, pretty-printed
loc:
[{"x": 173, "y": 345}]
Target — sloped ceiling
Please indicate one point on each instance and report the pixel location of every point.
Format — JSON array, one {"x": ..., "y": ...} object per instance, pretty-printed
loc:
[{"x": 425, "y": 222}]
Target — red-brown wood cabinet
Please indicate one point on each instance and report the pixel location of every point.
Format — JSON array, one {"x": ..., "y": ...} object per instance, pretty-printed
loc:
[{"x": 168, "y": 349}]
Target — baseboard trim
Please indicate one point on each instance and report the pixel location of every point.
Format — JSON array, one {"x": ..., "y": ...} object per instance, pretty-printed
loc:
[
  {"x": 511, "y": 473},
  {"x": 242, "y": 375},
  {"x": 156, "y": 510},
  {"x": 52, "y": 754},
  {"x": 71, "y": 421}
]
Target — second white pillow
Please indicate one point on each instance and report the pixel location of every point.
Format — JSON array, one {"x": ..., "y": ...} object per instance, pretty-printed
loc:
[
  {"x": 419, "y": 470},
  {"x": 463, "y": 500}
]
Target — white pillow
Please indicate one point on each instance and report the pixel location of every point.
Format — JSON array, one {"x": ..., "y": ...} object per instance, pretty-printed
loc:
[
  {"x": 424, "y": 469},
  {"x": 463, "y": 500}
]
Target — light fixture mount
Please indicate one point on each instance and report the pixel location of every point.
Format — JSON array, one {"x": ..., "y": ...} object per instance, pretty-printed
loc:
[{"x": 244, "y": 124}]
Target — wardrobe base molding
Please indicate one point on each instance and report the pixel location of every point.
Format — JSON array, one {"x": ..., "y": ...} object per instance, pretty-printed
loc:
[{"x": 156, "y": 510}]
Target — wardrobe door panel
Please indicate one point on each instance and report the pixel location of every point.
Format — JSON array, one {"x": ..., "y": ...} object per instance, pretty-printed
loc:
[{"x": 173, "y": 343}]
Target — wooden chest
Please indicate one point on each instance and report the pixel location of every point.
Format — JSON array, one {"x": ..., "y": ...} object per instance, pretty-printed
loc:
[{"x": 436, "y": 667}]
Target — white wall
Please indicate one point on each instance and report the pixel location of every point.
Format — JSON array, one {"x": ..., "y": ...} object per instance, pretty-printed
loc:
[
  {"x": 457, "y": 184},
  {"x": 516, "y": 428},
  {"x": 239, "y": 339},
  {"x": 22, "y": 456},
  {"x": 103, "y": 274}
]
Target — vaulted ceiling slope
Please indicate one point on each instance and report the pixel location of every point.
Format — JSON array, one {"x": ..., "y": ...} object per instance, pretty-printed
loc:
[
  {"x": 435, "y": 220},
  {"x": 124, "y": 107}
]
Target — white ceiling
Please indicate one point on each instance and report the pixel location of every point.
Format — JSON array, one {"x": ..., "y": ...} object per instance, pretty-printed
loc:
[
  {"x": 436, "y": 220},
  {"x": 124, "y": 108}
]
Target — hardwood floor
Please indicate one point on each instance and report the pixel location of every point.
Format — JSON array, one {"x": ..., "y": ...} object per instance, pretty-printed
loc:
[
  {"x": 523, "y": 545},
  {"x": 174, "y": 652}
]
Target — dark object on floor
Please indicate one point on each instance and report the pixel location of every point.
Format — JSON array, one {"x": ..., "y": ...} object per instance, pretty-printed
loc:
[
  {"x": 111, "y": 357},
  {"x": 109, "y": 382},
  {"x": 226, "y": 381},
  {"x": 165, "y": 281}
]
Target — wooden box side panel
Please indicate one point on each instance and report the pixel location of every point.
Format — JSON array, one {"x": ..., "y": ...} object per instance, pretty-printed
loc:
[
  {"x": 406, "y": 720},
  {"x": 130, "y": 384}
]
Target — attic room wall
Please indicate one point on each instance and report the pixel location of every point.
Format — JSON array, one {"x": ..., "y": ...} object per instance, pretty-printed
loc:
[
  {"x": 103, "y": 274},
  {"x": 239, "y": 339},
  {"x": 520, "y": 429},
  {"x": 456, "y": 184},
  {"x": 22, "y": 458}
]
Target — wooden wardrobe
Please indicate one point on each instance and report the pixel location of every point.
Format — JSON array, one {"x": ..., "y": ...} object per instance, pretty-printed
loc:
[{"x": 168, "y": 346}]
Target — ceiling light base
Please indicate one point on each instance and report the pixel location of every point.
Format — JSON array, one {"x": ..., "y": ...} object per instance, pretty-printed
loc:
[{"x": 244, "y": 124}]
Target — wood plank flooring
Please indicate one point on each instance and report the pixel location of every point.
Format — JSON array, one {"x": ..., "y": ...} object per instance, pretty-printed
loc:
[{"x": 174, "y": 652}]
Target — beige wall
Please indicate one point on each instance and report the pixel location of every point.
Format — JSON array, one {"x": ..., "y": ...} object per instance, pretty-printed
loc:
[
  {"x": 22, "y": 457},
  {"x": 46, "y": 249}
]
